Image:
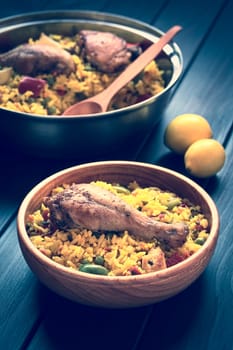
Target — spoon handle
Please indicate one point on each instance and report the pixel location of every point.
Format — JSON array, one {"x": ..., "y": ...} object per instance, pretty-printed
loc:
[{"x": 137, "y": 65}]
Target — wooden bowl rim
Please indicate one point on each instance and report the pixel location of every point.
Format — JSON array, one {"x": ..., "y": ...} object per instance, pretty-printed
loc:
[{"x": 162, "y": 274}]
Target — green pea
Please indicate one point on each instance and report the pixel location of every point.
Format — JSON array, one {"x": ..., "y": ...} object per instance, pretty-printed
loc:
[
  {"x": 121, "y": 189},
  {"x": 51, "y": 110},
  {"x": 50, "y": 80},
  {"x": 173, "y": 202},
  {"x": 200, "y": 241},
  {"x": 89, "y": 68},
  {"x": 99, "y": 260},
  {"x": 85, "y": 261},
  {"x": 94, "y": 269}
]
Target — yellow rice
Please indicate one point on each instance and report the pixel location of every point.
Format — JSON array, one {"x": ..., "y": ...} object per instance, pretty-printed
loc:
[
  {"x": 121, "y": 254},
  {"x": 61, "y": 91}
]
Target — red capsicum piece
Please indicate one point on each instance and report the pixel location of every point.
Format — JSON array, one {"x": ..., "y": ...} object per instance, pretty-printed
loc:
[{"x": 31, "y": 84}]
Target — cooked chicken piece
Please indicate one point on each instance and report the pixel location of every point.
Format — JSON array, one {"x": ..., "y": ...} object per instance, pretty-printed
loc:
[
  {"x": 97, "y": 209},
  {"x": 154, "y": 260},
  {"x": 31, "y": 59},
  {"x": 106, "y": 51}
]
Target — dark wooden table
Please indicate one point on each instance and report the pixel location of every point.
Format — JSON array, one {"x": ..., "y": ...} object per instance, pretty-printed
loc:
[{"x": 201, "y": 317}]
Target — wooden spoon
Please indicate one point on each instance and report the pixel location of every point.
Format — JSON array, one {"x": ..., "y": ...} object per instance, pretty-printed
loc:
[{"x": 99, "y": 103}]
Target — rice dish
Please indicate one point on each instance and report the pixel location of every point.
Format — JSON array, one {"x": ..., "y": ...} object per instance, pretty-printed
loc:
[
  {"x": 120, "y": 253},
  {"x": 59, "y": 91}
]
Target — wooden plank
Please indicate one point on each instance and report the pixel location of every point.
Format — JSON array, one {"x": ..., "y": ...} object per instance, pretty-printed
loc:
[
  {"x": 194, "y": 20},
  {"x": 74, "y": 5},
  {"x": 7, "y": 213},
  {"x": 205, "y": 308},
  {"x": 21, "y": 173},
  {"x": 202, "y": 89},
  {"x": 67, "y": 325},
  {"x": 12, "y": 7},
  {"x": 24, "y": 302},
  {"x": 19, "y": 308},
  {"x": 141, "y": 10},
  {"x": 203, "y": 311}
]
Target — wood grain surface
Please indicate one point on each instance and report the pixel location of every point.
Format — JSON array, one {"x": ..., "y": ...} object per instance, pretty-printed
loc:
[{"x": 201, "y": 317}]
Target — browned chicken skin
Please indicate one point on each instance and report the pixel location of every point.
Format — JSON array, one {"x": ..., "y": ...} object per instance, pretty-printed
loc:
[
  {"x": 154, "y": 260},
  {"x": 106, "y": 51},
  {"x": 31, "y": 59},
  {"x": 94, "y": 208}
]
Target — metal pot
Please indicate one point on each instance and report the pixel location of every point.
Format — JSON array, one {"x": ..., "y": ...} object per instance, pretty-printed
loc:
[{"x": 87, "y": 136}]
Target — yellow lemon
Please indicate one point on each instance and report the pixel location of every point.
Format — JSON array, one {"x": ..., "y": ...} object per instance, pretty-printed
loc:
[
  {"x": 185, "y": 129},
  {"x": 204, "y": 158}
]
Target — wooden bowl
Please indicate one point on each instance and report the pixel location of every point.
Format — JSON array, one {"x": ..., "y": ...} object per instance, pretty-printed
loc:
[{"x": 119, "y": 292}]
